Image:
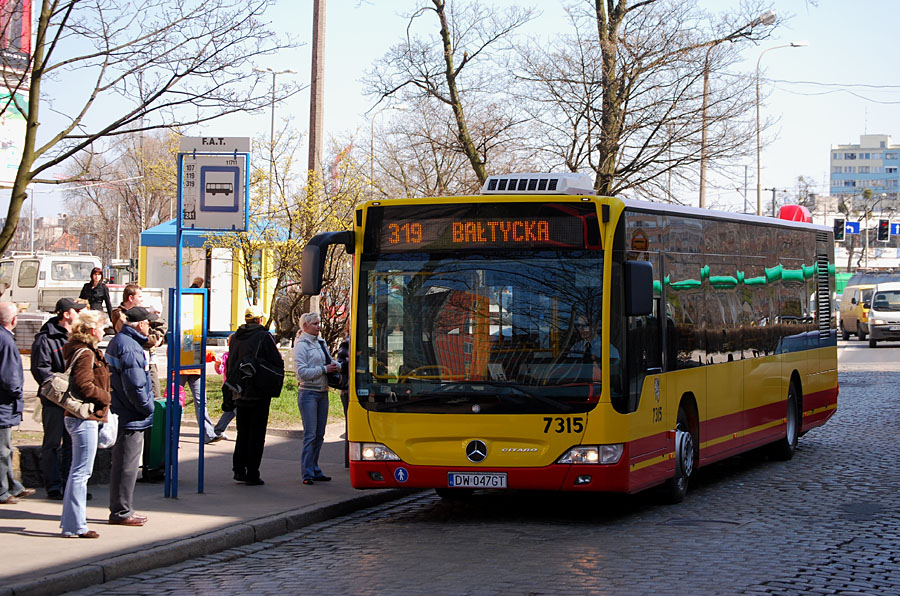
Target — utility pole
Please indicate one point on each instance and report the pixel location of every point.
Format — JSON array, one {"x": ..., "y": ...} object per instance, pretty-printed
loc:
[
  {"x": 774, "y": 190},
  {"x": 316, "y": 93}
]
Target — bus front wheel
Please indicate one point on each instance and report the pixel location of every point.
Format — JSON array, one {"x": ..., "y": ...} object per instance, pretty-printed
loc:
[{"x": 676, "y": 487}]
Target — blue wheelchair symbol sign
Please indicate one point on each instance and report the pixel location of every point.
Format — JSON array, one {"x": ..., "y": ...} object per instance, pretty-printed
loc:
[{"x": 401, "y": 475}]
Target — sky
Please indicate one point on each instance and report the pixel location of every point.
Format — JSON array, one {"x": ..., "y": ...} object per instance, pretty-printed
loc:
[{"x": 843, "y": 84}]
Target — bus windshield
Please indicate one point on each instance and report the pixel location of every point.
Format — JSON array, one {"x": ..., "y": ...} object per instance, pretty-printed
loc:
[{"x": 498, "y": 332}]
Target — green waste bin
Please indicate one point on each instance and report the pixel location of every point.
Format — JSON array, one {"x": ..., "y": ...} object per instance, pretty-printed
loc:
[{"x": 155, "y": 441}]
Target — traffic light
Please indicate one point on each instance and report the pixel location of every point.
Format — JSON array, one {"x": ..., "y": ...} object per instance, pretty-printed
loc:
[
  {"x": 884, "y": 230},
  {"x": 839, "y": 225}
]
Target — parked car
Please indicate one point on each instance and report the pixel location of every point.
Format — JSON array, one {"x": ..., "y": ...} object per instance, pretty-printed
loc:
[
  {"x": 884, "y": 315},
  {"x": 854, "y": 311}
]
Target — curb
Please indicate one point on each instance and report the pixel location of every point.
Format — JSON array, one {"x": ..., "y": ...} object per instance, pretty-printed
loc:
[{"x": 241, "y": 534}]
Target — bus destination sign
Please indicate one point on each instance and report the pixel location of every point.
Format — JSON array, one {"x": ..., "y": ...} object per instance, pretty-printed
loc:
[{"x": 461, "y": 227}]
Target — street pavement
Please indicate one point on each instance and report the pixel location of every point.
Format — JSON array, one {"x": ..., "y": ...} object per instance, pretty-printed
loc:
[
  {"x": 38, "y": 560},
  {"x": 826, "y": 522}
]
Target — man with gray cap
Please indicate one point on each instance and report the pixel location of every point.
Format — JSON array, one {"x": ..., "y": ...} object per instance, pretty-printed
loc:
[
  {"x": 132, "y": 402},
  {"x": 46, "y": 359},
  {"x": 12, "y": 404}
]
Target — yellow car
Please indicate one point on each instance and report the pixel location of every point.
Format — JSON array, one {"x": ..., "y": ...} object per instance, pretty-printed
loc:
[{"x": 855, "y": 303}]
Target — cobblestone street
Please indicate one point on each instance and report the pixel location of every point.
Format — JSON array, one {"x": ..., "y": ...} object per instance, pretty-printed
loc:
[{"x": 826, "y": 522}]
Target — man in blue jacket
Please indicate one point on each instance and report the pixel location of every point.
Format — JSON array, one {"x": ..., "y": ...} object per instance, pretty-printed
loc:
[
  {"x": 132, "y": 401},
  {"x": 12, "y": 404},
  {"x": 46, "y": 359}
]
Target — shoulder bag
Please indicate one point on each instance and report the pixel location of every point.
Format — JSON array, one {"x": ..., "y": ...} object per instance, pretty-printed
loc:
[
  {"x": 335, "y": 381},
  {"x": 58, "y": 390}
]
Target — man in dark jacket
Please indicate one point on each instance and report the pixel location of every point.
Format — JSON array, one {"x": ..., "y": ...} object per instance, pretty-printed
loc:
[
  {"x": 46, "y": 359},
  {"x": 251, "y": 343},
  {"x": 132, "y": 401},
  {"x": 12, "y": 404}
]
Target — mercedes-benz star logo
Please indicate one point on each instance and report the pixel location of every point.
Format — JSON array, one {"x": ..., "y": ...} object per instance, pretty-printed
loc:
[{"x": 476, "y": 451}]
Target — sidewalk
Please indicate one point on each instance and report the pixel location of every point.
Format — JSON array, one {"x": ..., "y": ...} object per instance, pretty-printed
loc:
[{"x": 228, "y": 514}]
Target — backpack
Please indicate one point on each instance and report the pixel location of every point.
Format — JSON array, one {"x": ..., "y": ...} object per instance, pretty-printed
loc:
[
  {"x": 260, "y": 377},
  {"x": 58, "y": 390}
]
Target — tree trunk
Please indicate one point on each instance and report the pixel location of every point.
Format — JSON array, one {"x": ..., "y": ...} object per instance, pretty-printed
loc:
[
  {"x": 465, "y": 139},
  {"x": 23, "y": 175},
  {"x": 610, "y": 117}
]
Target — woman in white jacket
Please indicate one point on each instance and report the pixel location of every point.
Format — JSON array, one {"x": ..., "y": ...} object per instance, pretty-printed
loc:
[{"x": 312, "y": 363}]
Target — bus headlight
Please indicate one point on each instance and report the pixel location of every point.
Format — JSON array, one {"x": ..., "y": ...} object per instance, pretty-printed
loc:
[
  {"x": 371, "y": 452},
  {"x": 593, "y": 454}
]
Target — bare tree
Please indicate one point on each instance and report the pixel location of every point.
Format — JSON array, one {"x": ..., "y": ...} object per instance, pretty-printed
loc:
[
  {"x": 299, "y": 211},
  {"x": 118, "y": 67},
  {"x": 138, "y": 191},
  {"x": 457, "y": 70},
  {"x": 622, "y": 95}
]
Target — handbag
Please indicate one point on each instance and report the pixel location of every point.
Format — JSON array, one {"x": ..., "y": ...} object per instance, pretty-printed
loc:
[
  {"x": 335, "y": 381},
  {"x": 109, "y": 431},
  {"x": 58, "y": 390}
]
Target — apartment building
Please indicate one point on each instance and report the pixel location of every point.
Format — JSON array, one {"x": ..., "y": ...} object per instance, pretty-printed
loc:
[{"x": 874, "y": 163}]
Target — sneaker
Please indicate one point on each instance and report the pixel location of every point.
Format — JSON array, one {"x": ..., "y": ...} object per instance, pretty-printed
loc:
[
  {"x": 55, "y": 495},
  {"x": 25, "y": 492},
  {"x": 215, "y": 439},
  {"x": 240, "y": 476},
  {"x": 10, "y": 500},
  {"x": 256, "y": 482}
]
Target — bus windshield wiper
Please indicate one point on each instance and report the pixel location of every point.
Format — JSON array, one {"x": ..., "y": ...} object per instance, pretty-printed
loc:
[
  {"x": 423, "y": 398},
  {"x": 467, "y": 389}
]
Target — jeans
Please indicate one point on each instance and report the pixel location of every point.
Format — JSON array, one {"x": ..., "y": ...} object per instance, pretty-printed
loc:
[
  {"x": 55, "y": 459},
  {"x": 123, "y": 474},
  {"x": 84, "y": 449},
  {"x": 314, "y": 413},
  {"x": 224, "y": 420},
  {"x": 8, "y": 483},
  {"x": 203, "y": 421}
]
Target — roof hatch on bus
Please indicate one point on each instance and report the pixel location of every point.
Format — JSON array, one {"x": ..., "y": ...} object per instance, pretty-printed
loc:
[{"x": 566, "y": 183}]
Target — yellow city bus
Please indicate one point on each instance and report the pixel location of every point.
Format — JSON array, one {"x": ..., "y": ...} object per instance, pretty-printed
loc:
[{"x": 538, "y": 336}]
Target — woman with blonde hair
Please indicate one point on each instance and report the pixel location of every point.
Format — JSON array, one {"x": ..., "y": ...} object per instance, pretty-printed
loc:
[
  {"x": 89, "y": 379},
  {"x": 312, "y": 363}
]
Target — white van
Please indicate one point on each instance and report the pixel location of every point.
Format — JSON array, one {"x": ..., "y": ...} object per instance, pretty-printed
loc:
[
  {"x": 884, "y": 313},
  {"x": 35, "y": 281}
]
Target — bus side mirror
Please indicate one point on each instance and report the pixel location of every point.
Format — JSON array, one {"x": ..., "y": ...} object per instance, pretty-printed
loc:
[
  {"x": 638, "y": 288},
  {"x": 312, "y": 265}
]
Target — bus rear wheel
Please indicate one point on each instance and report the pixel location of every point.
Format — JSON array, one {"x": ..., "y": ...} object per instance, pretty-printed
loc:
[
  {"x": 675, "y": 488},
  {"x": 784, "y": 448}
]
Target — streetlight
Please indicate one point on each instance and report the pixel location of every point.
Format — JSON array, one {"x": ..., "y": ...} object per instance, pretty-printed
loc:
[
  {"x": 766, "y": 18},
  {"x": 793, "y": 44},
  {"x": 275, "y": 73},
  {"x": 399, "y": 108}
]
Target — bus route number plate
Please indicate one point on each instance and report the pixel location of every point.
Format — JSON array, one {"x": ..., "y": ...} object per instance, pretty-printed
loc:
[{"x": 476, "y": 480}]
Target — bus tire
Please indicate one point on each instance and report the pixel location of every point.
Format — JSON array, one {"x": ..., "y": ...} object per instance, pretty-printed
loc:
[
  {"x": 784, "y": 448},
  {"x": 454, "y": 494},
  {"x": 675, "y": 488}
]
